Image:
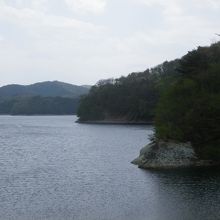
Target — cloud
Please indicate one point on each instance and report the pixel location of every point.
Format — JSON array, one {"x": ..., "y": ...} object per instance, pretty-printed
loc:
[
  {"x": 182, "y": 6},
  {"x": 187, "y": 17},
  {"x": 87, "y": 6},
  {"x": 214, "y": 4},
  {"x": 27, "y": 17},
  {"x": 46, "y": 46},
  {"x": 32, "y": 4},
  {"x": 47, "y": 42}
]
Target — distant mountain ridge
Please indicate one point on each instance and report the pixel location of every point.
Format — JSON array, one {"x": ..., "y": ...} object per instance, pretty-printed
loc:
[
  {"x": 43, "y": 98},
  {"x": 44, "y": 89}
]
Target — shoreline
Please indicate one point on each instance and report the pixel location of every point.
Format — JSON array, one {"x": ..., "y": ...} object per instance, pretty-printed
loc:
[
  {"x": 162, "y": 155},
  {"x": 38, "y": 115},
  {"x": 115, "y": 122}
]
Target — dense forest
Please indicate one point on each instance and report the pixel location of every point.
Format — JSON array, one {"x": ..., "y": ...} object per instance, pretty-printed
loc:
[
  {"x": 132, "y": 98},
  {"x": 182, "y": 97},
  {"x": 189, "y": 109}
]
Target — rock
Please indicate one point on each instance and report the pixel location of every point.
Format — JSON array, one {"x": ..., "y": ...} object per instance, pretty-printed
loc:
[{"x": 166, "y": 155}]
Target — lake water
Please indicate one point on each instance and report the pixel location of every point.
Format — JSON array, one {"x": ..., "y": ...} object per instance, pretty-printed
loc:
[{"x": 54, "y": 169}]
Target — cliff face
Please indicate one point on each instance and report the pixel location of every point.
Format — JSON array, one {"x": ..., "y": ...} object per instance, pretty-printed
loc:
[{"x": 168, "y": 155}]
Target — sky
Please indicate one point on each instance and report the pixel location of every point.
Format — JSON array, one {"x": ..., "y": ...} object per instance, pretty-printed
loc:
[{"x": 83, "y": 41}]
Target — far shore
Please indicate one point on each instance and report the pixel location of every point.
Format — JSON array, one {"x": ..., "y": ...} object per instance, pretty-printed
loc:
[
  {"x": 38, "y": 115},
  {"x": 116, "y": 122},
  {"x": 101, "y": 122}
]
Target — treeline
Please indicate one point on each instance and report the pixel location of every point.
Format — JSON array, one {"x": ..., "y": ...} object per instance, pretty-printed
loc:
[
  {"x": 182, "y": 97},
  {"x": 44, "y": 89},
  {"x": 37, "y": 105},
  {"x": 131, "y": 98},
  {"x": 189, "y": 109}
]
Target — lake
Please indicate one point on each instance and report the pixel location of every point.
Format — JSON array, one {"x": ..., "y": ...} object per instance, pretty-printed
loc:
[{"x": 52, "y": 168}]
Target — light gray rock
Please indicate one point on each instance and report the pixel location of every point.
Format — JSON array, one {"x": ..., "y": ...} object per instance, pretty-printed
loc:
[{"x": 166, "y": 155}]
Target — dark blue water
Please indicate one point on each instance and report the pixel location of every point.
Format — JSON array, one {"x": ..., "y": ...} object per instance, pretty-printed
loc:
[{"x": 52, "y": 168}]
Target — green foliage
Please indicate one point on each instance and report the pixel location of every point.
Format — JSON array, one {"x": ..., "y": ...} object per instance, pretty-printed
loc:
[
  {"x": 183, "y": 96},
  {"x": 189, "y": 110},
  {"x": 130, "y": 98}
]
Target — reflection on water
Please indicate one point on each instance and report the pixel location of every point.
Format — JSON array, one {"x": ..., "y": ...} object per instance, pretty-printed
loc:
[{"x": 53, "y": 168}]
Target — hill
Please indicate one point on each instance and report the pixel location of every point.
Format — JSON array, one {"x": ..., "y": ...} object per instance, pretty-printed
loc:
[
  {"x": 189, "y": 109},
  {"x": 127, "y": 99},
  {"x": 45, "y": 98},
  {"x": 44, "y": 89},
  {"x": 182, "y": 97}
]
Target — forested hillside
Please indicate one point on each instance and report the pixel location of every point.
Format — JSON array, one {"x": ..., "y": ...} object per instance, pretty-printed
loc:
[
  {"x": 189, "y": 109},
  {"x": 132, "y": 98},
  {"x": 46, "y": 98},
  {"x": 182, "y": 97},
  {"x": 44, "y": 89}
]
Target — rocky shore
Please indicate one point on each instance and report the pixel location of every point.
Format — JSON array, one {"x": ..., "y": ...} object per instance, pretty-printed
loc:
[{"x": 162, "y": 155}]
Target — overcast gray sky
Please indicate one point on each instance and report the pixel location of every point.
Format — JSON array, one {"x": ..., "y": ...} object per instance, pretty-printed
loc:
[{"x": 82, "y": 41}]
